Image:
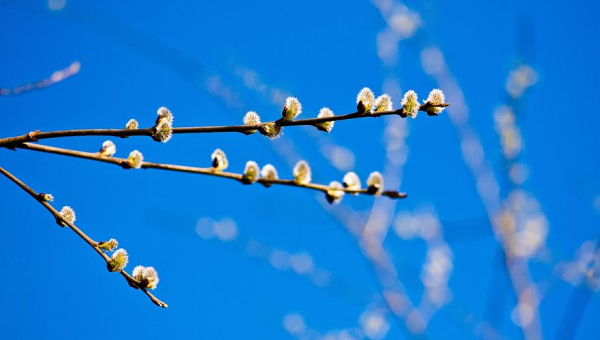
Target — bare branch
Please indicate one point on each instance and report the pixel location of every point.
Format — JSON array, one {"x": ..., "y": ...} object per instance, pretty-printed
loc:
[{"x": 60, "y": 218}]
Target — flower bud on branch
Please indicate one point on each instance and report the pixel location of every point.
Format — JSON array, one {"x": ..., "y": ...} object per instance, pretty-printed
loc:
[
  {"x": 68, "y": 214},
  {"x": 164, "y": 115},
  {"x": 383, "y": 103},
  {"x": 351, "y": 181},
  {"x": 436, "y": 97},
  {"x": 364, "y": 100},
  {"x": 291, "y": 109},
  {"x": 109, "y": 245},
  {"x": 163, "y": 130},
  {"x": 335, "y": 193},
  {"x": 375, "y": 183},
  {"x": 219, "y": 160},
  {"x": 108, "y": 149},
  {"x": 251, "y": 173},
  {"x": 410, "y": 104},
  {"x": 118, "y": 261},
  {"x": 132, "y": 124},
  {"x": 45, "y": 197},
  {"x": 272, "y": 130},
  {"x": 251, "y": 118},
  {"x": 328, "y": 125},
  {"x": 302, "y": 174},
  {"x": 147, "y": 277},
  {"x": 135, "y": 159},
  {"x": 268, "y": 172}
]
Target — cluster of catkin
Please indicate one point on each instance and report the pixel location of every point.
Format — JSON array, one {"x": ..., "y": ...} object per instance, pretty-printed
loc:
[{"x": 366, "y": 103}]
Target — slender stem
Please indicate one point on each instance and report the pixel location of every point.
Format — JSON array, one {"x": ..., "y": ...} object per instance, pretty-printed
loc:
[
  {"x": 196, "y": 170},
  {"x": 34, "y": 136},
  {"x": 59, "y": 217}
]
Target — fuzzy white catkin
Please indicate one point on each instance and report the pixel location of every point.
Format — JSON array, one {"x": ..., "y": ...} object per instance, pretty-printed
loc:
[
  {"x": 109, "y": 245},
  {"x": 164, "y": 114},
  {"x": 436, "y": 97},
  {"x": 118, "y": 260},
  {"x": 219, "y": 160},
  {"x": 375, "y": 181},
  {"x": 410, "y": 104},
  {"x": 383, "y": 103},
  {"x": 273, "y": 130},
  {"x": 302, "y": 173},
  {"x": 108, "y": 149},
  {"x": 251, "y": 118},
  {"x": 251, "y": 172},
  {"x": 335, "y": 192},
  {"x": 351, "y": 181},
  {"x": 138, "y": 272},
  {"x": 68, "y": 213},
  {"x": 164, "y": 125},
  {"x": 291, "y": 109},
  {"x": 164, "y": 131},
  {"x": 135, "y": 159},
  {"x": 146, "y": 276},
  {"x": 47, "y": 197},
  {"x": 152, "y": 277},
  {"x": 366, "y": 96},
  {"x": 325, "y": 126},
  {"x": 269, "y": 172},
  {"x": 132, "y": 124}
]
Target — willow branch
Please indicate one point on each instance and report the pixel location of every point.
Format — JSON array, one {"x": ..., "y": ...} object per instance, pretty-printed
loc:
[
  {"x": 122, "y": 162},
  {"x": 59, "y": 218},
  {"x": 247, "y": 129}
]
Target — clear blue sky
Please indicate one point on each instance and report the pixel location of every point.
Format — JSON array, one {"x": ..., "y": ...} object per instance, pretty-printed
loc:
[{"x": 138, "y": 55}]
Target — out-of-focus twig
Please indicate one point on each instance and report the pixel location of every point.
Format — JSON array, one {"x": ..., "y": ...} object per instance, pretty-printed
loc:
[{"x": 55, "y": 78}]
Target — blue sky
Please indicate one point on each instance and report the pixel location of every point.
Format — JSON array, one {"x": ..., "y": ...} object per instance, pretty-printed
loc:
[{"x": 210, "y": 62}]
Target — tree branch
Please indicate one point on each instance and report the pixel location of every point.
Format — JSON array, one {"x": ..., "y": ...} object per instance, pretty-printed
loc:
[
  {"x": 34, "y": 136},
  {"x": 59, "y": 217},
  {"x": 196, "y": 170}
]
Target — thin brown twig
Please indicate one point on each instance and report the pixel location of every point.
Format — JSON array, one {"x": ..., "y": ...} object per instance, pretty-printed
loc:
[
  {"x": 60, "y": 218},
  {"x": 196, "y": 170},
  {"x": 34, "y": 136}
]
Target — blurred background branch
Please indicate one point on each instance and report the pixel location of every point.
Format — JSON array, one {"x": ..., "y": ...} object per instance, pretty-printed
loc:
[{"x": 56, "y": 77}]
